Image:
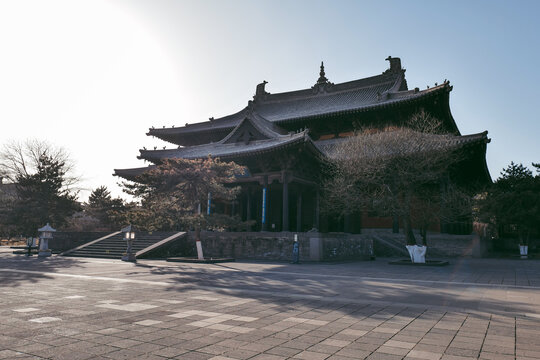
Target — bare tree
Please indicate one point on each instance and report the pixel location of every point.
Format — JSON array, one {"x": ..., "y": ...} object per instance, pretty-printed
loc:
[
  {"x": 19, "y": 159},
  {"x": 396, "y": 172},
  {"x": 43, "y": 181}
]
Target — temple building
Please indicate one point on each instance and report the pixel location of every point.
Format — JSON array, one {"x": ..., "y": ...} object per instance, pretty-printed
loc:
[{"x": 284, "y": 138}]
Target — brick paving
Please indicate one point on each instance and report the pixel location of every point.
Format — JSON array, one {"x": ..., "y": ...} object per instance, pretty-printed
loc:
[{"x": 66, "y": 308}]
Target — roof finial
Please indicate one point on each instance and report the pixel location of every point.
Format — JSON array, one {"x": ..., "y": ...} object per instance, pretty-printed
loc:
[{"x": 322, "y": 77}]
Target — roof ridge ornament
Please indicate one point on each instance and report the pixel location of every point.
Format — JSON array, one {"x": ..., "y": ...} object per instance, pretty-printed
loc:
[
  {"x": 322, "y": 85},
  {"x": 260, "y": 92},
  {"x": 395, "y": 65},
  {"x": 322, "y": 78}
]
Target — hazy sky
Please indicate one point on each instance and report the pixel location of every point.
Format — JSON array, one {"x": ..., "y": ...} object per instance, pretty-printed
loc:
[{"x": 93, "y": 76}]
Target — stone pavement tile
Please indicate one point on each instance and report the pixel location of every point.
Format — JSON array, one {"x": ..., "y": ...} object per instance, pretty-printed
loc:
[
  {"x": 147, "y": 347},
  {"x": 462, "y": 352},
  {"x": 190, "y": 345},
  {"x": 46, "y": 319},
  {"x": 32, "y": 348},
  {"x": 381, "y": 356},
  {"x": 323, "y": 334},
  {"x": 109, "y": 331},
  {"x": 485, "y": 355},
  {"x": 26, "y": 310},
  {"x": 436, "y": 340},
  {"x": 285, "y": 336},
  {"x": 417, "y": 354},
  {"x": 527, "y": 353},
  {"x": 257, "y": 347},
  {"x": 294, "y": 344},
  {"x": 338, "y": 357},
  {"x": 392, "y": 350},
  {"x": 9, "y": 354},
  {"x": 470, "y": 339},
  {"x": 283, "y": 351},
  {"x": 409, "y": 339},
  {"x": 353, "y": 333},
  {"x": 148, "y": 322},
  {"x": 325, "y": 349},
  {"x": 149, "y": 357},
  {"x": 493, "y": 348},
  {"x": 430, "y": 348},
  {"x": 399, "y": 344},
  {"x": 240, "y": 354},
  {"x": 455, "y": 357},
  {"x": 335, "y": 342},
  {"x": 194, "y": 355},
  {"x": 123, "y": 354},
  {"x": 232, "y": 344},
  {"x": 149, "y": 337},
  {"x": 413, "y": 333},
  {"x": 266, "y": 357},
  {"x": 385, "y": 330},
  {"x": 101, "y": 349},
  {"x": 310, "y": 355},
  {"x": 124, "y": 343},
  {"x": 170, "y": 340},
  {"x": 269, "y": 340},
  {"x": 169, "y": 352},
  {"x": 372, "y": 338},
  {"x": 353, "y": 353},
  {"x": 213, "y": 349}
]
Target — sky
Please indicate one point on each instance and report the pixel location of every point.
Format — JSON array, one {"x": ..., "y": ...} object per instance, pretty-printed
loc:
[{"x": 94, "y": 76}]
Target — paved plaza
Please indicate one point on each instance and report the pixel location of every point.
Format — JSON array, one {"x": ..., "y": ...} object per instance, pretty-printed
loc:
[{"x": 73, "y": 308}]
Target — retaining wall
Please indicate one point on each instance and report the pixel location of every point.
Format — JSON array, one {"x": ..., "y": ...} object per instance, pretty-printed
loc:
[{"x": 278, "y": 246}]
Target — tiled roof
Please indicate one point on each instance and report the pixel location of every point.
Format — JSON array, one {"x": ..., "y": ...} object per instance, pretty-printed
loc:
[
  {"x": 226, "y": 150},
  {"x": 320, "y": 100},
  {"x": 131, "y": 174},
  {"x": 264, "y": 127}
]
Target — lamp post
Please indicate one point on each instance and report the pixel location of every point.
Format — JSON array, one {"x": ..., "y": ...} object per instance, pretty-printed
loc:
[
  {"x": 45, "y": 233},
  {"x": 129, "y": 236}
]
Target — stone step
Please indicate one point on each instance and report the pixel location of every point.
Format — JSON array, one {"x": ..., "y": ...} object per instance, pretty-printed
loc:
[{"x": 115, "y": 246}]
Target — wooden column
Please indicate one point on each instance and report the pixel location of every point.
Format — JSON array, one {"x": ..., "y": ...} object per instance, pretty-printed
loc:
[
  {"x": 264, "y": 215},
  {"x": 316, "y": 223},
  {"x": 347, "y": 223},
  {"x": 285, "y": 211},
  {"x": 248, "y": 205},
  {"x": 299, "y": 211},
  {"x": 395, "y": 224}
]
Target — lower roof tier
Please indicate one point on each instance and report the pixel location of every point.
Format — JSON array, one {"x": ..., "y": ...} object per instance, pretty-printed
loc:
[{"x": 261, "y": 150}]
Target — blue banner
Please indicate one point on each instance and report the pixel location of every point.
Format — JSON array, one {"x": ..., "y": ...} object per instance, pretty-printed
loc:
[
  {"x": 264, "y": 206},
  {"x": 208, "y": 210}
]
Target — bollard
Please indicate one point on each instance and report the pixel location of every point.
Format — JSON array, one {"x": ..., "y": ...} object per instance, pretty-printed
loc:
[
  {"x": 29, "y": 242},
  {"x": 296, "y": 251}
]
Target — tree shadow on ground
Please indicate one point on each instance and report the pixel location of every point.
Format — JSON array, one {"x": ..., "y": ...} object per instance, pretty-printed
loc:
[
  {"x": 17, "y": 270},
  {"x": 331, "y": 289}
]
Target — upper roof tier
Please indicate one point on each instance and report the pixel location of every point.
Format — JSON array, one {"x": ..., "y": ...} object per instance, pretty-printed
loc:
[{"x": 321, "y": 100}]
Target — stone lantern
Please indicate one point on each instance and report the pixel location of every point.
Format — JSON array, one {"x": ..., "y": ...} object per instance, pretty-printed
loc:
[
  {"x": 129, "y": 236},
  {"x": 45, "y": 233}
]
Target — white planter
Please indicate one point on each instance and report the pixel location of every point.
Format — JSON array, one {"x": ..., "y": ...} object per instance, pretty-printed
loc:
[
  {"x": 417, "y": 253},
  {"x": 523, "y": 251}
]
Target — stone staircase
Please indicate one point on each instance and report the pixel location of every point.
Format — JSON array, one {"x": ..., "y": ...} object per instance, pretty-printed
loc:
[{"x": 113, "y": 246}]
